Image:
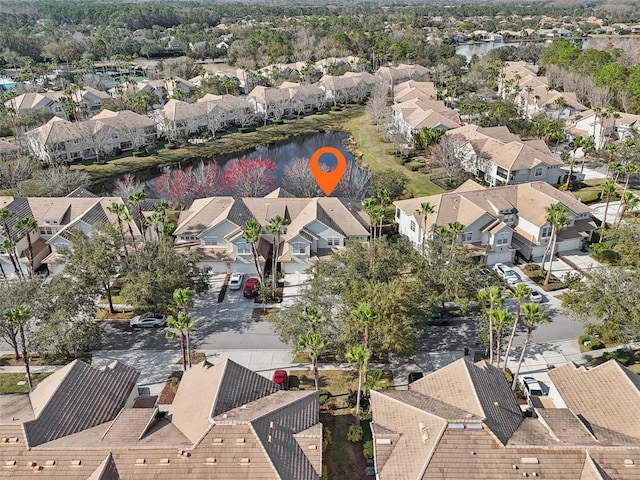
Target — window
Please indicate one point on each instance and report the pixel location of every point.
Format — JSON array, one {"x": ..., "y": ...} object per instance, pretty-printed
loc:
[
  {"x": 46, "y": 231},
  {"x": 545, "y": 232},
  {"x": 412, "y": 226},
  {"x": 466, "y": 236},
  {"x": 502, "y": 172},
  {"x": 299, "y": 248},
  {"x": 210, "y": 241},
  {"x": 502, "y": 239},
  {"x": 333, "y": 241},
  {"x": 537, "y": 172},
  {"x": 244, "y": 248}
]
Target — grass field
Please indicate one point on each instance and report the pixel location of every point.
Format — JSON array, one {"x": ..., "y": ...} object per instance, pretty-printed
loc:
[{"x": 9, "y": 382}]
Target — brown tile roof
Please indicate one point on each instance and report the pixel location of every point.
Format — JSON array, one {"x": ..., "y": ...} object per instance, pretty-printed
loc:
[
  {"x": 610, "y": 409},
  {"x": 106, "y": 471},
  {"x": 77, "y": 397}
]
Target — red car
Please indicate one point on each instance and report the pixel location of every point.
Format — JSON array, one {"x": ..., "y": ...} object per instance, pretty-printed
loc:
[
  {"x": 251, "y": 287},
  {"x": 281, "y": 379}
]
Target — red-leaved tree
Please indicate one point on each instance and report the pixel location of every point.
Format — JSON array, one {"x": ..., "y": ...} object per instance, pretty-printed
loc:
[
  {"x": 253, "y": 177},
  {"x": 182, "y": 187}
]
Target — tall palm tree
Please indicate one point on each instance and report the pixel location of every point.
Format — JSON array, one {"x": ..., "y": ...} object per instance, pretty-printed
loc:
[
  {"x": 559, "y": 220},
  {"x": 424, "y": 211},
  {"x": 156, "y": 223},
  {"x": 138, "y": 199},
  {"x": 26, "y": 225},
  {"x": 312, "y": 317},
  {"x": 162, "y": 207},
  {"x": 179, "y": 326},
  {"x": 501, "y": 319},
  {"x": 183, "y": 298},
  {"x": 358, "y": 356},
  {"x": 275, "y": 227},
  {"x": 128, "y": 218},
  {"x": 118, "y": 209},
  {"x": 313, "y": 343},
  {"x": 531, "y": 316},
  {"x": 628, "y": 202},
  {"x": 365, "y": 315},
  {"x": 9, "y": 247},
  {"x": 609, "y": 189},
  {"x": 384, "y": 199},
  {"x": 495, "y": 297},
  {"x": 376, "y": 216},
  {"x": 17, "y": 317},
  {"x": 251, "y": 235},
  {"x": 455, "y": 229},
  {"x": 520, "y": 294},
  {"x": 628, "y": 169}
]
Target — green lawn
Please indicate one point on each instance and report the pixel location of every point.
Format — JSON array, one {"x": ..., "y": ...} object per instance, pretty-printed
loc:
[
  {"x": 372, "y": 151},
  {"x": 9, "y": 382},
  {"x": 590, "y": 192}
]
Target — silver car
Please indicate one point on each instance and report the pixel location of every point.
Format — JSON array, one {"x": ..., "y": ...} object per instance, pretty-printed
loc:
[
  {"x": 148, "y": 320},
  {"x": 235, "y": 282}
]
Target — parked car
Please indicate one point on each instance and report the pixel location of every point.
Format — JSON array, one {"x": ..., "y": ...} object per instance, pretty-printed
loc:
[
  {"x": 235, "y": 282},
  {"x": 535, "y": 296},
  {"x": 506, "y": 273},
  {"x": 530, "y": 386},
  {"x": 251, "y": 287},
  {"x": 413, "y": 376},
  {"x": 148, "y": 320},
  {"x": 281, "y": 379}
]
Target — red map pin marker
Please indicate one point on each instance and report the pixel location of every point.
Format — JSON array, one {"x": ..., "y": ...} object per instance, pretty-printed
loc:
[{"x": 328, "y": 181}]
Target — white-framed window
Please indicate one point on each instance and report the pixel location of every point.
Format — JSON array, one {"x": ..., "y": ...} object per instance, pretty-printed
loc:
[
  {"x": 412, "y": 226},
  {"x": 466, "y": 236},
  {"x": 502, "y": 239},
  {"x": 545, "y": 232},
  {"x": 299, "y": 248},
  {"x": 244, "y": 248},
  {"x": 188, "y": 238},
  {"x": 210, "y": 241},
  {"x": 333, "y": 241},
  {"x": 538, "y": 172},
  {"x": 46, "y": 231}
]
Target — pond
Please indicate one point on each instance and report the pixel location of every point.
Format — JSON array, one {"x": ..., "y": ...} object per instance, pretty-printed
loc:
[{"x": 281, "y": 153}]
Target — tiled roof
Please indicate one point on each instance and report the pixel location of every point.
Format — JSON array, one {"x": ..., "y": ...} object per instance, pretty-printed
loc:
[
  {"x": 77, "y": 397},
  {"x": 610, "y": 409},
  {"x": 81, "y": 192},
  {"x": 106, "y": 471}
]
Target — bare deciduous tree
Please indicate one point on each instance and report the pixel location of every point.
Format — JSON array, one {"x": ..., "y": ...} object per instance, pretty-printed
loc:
[
  {"x": 355, "y": 182},
  {"x": 126, "y": 185},
  {"x": 377, "y": 107},
  {"x": 448, "y": 155},
  {"x": 297, "y": 179}
]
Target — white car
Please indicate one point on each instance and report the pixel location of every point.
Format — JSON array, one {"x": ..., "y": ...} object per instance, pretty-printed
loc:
[
  {"x": 505, "y": 272},
  {"x": 148, "y": 320},
  {"x": 235, "y": 282},
  {"x": 535, "y": 296},
  {"x": 530, "y": 386}
]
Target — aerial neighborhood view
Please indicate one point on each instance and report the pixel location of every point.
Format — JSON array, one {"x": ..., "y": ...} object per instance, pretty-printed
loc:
[{"x": 308, "y": 240}]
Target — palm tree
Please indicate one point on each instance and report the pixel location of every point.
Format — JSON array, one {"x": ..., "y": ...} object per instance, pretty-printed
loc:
[
  {"x": 313, "y": 343},
  {"x": 127, "y": 217},
  {"x": 552, "y": 210},
  {"x": 384, "y": 199},
  {"x": 358, "y": 356},
  {"x": 17, "y": 317},
  {"x": 376, "y": 216},
  {"x": 559, "y": 220},
  {"x": 275, "y": 227},
  {"x": 501, "y": 319},
  {"x": 183, "y": 298},
  {"x": 628, "y": 202},
  {"x": 251, "y": 235},
  {"x": 118, "y": 209},
  {"x": 455, "y": 229},
  {"x": 609, "y": 189},
  {"x": 156, "y": 222},
  {"x": 531, "y": 316},
  {"x": 425, "y": 209},
  {"x": 365, "y": 315},
  {"x": 495, "y": 296},
  {"x": 312, "y": 317},
  {"x": 26, "y": 225},
  {"x": 520, "y": 293},
  {"x": 162, "y": 207},
  {"x": 9, "y": 247},
  {"x": 628, "y": 169},
  {"x": 587, "y": 148},
  {"x": 179, "y": 327},
  {"x": 138, "y": 199}
]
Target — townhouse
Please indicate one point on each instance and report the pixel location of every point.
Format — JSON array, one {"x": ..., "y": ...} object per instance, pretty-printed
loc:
[
  {"x": 402, "y": 73},
  {"x": 604, "y": 127},
  {"x": 346, "y": 88},
  {"x": 32, "y": 100},
  {"x": 498, "y": 222},
  {"x": 316, "y": 227},
  {"x": 412, "y": 115},
  {"x": 498, "y": 157},
  {"x": 463, "y": 421},
  {"x": 225, "y": 421},
  {"x": 62, "y": 141}
]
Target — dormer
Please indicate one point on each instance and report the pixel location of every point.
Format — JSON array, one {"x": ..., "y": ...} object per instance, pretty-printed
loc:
[{"x": 56, "y": 214}]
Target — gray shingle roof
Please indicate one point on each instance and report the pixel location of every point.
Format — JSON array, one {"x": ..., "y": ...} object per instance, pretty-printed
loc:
[{"x": 78, "y": 397}]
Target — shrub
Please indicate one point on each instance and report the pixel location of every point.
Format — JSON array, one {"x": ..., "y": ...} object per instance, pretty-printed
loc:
[
  {"x": 354, "y": 434},
  {"x": 588, "y": 342},
  {"x": 621, "y": 355},
  {"x": 335, "y": 108},
  {"x": 398, "y": 160},
  {"x": 367, "y": 449},
  {"x": 608, "y": 331},
  {"x": 326, "y": 437},
  {"x": 244, "y": 129},
  {"x": 170, "y": 145},
  {"x": 325, "y": 397},
  {"x": 139, "y": 153},
  {"x": 414, "y": 166}
]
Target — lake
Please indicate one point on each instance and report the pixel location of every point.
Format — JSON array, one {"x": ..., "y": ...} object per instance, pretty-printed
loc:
[{"x": 281, "y": 153}]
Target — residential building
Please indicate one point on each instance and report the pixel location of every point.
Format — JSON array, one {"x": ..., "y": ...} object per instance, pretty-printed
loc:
[
  {"x": 463, "y": 422},
  {"x": 604, "y": 127},
  {"x": 411, "y": 89},
  {"x": 32, "y": 100},
  {"x": 394, "y": 75},
  {"x": 413, "y": 115},
  {"x": 62, "y": 141},
  {"x": 498, "y": 222},
  {"x": 498, "y": 157},
  {"x": 346, "y": 88},
  {"x": 225, "y": 422},
  {"x": 56, "y": 218},
  {"x": 317, "y": 226}
]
